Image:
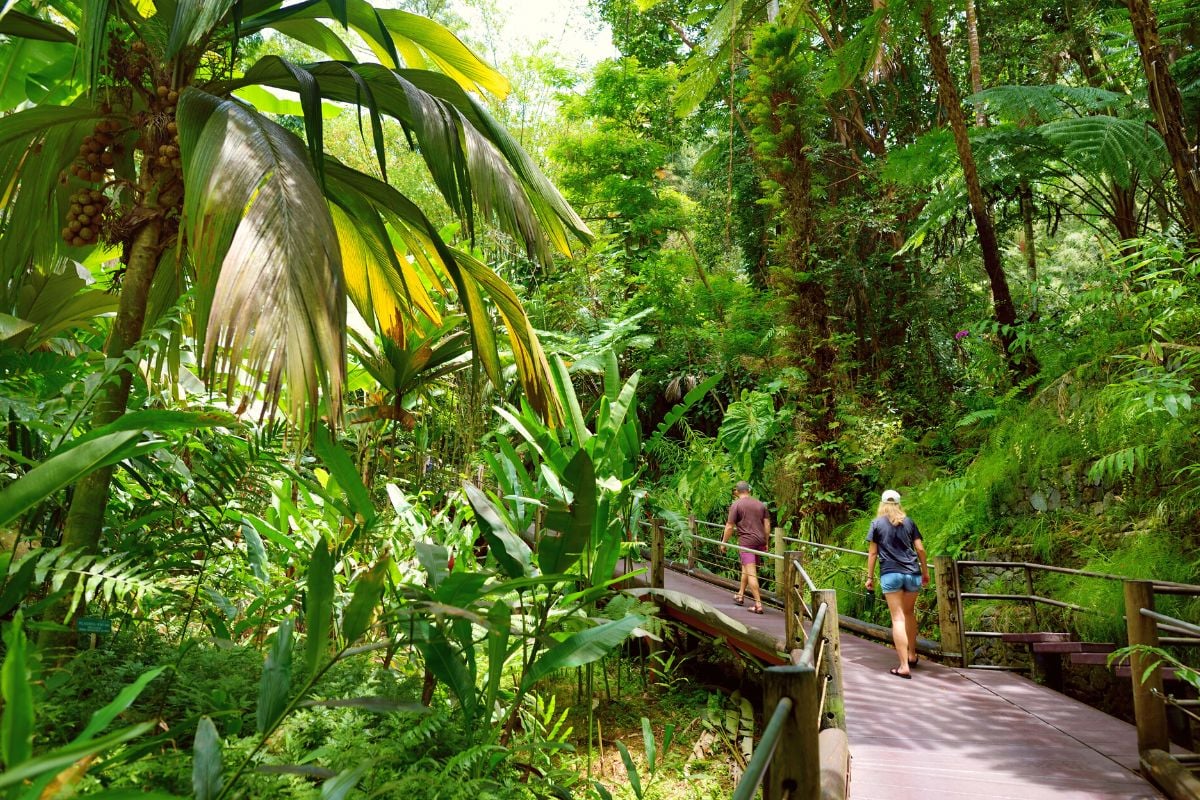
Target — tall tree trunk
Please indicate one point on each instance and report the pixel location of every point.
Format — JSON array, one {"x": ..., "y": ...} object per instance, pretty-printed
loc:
[
  {"x": 1030, "y": 249},
  {"x": 1002, "y": 302},
  {"x": 85, "y": 518},
  {"x": 976, "y": 68},
  {"x": 1168, "y": 111}
]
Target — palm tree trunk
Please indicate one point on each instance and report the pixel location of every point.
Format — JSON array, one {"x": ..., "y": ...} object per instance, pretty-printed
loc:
[
  {"x": 85, "y": 518},
  {"x": 1168, "y": 111},
  {"x": 976, "y": 68},
  {"x": 1002, "y": 302}
]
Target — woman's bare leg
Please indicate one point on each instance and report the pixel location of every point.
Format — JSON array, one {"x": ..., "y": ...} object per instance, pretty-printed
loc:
[
  {"x": 895, "y": 601},
  {"x": 909, "y": 602}
]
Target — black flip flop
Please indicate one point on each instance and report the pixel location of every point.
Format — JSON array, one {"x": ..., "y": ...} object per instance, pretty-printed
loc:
[
  {"x": 756, "y": 610},
  {"x": 896, "y": 671},
  {"x": 913, "y": 663},
  {"x": 739, "y": 599}
]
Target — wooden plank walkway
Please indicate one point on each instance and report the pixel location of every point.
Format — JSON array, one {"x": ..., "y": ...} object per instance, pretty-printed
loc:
[{"x": 958, "y": 733}]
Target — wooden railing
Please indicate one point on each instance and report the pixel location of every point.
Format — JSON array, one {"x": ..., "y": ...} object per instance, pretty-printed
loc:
[
  {"x": 803, "y": 753},
  {"x": 1150, "y": 700}
]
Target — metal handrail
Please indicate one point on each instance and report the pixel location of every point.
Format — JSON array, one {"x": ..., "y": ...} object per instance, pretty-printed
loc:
[
  {"x": 1171, "y": 622},
  {"x": 806, "y": 653},
  {"x": 756, "y": 770},
  {"x": 796, "y": 565},
  {"x": 1026, "y": 597},
  {"x": 766, "y": 553},
  {"x": 821, "y": 546}
]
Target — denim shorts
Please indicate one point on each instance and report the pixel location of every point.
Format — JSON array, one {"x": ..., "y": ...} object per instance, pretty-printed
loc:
[{"x": 899, "y": 581}]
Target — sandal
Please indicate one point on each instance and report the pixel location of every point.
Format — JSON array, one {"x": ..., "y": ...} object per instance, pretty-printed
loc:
[
  {"x": 896, "y": 671},
  {"x": 757, "y": 609},
  {"x": 913, "y": 662},
  {"x": 739, "y": 599}
]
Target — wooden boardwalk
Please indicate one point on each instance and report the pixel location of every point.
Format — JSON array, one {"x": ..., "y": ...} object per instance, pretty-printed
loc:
[{"x": 958, "y": 733}]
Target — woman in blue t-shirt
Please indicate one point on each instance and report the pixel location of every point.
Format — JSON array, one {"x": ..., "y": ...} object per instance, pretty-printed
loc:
[{"x": 896, "y": 544}]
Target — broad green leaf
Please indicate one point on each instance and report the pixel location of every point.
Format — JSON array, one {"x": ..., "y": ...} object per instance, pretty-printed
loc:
[
  {"x": 581, "y": 647},
  {"x": 16, "y": 721},
  {"x": 648, "y": 742},
  {"x": 271, "y": 103},
  {"x": 434, "y": 559},
  {"x": 194, "y": 20},
  {"x": 368, "y": 590},
  {"x": 276, "y": 679},
  {"x": 342, "y": 468},
  {"x": 65, "y": 756},
  {"x": 510, "y": 551},
  {"x": 318, "y": 606},
  {"x": 499, "y": 632},
  {"x": 206, "y": 761},
  {"x": 23, "y": 26},
  {"x": 338, "y": 787},
  {"x": 63, "y": 469},
  {"x": 568, "y": 529},
  {"x": 635, "y": 780},
  {"x": 449, "y": 668},
  {"x": 102, "y": 718}
]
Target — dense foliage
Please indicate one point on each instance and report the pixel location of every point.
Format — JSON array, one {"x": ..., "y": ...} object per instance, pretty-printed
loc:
[{"x": 339, "y": 372}]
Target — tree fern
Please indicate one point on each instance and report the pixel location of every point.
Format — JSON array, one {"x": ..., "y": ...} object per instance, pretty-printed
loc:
[
  {"x": 1115, "y": 147},
  {"x": 1045, "y": 103}
]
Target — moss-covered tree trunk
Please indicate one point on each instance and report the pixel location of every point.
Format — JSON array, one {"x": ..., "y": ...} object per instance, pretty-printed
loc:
[
  {"x": 782, "y": 103},
  {"x": 1168, "y": 112}
]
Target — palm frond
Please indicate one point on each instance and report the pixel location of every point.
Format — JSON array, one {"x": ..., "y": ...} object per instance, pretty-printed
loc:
[
  {"x": 397, "y": 38},
  {"x": 194, "y": 20},
  {"x": 470, "y": 157},
  {"x": 265, "y": 249}
]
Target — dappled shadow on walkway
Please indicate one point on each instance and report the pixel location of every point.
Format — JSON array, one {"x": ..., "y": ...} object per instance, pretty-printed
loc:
[
  {"x": 951, "y": 733},
  {"x": 958, "y": 734}
]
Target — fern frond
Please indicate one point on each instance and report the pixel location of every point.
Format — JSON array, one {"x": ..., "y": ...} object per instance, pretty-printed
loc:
[
  {"x": 109, "y": 579},
  {"x": 1118, "y": 148},
  {"x": 1045, "y": 103},
  {"x": 977, "y": 416},
  {"x": 1115, "y": 466}
]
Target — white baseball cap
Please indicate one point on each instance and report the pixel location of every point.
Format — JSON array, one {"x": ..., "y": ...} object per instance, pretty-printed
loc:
[{"x": 891, "y": 496}]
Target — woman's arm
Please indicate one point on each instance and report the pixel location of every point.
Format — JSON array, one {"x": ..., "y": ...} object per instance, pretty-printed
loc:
[
  {"x": 872, "y": 556},
  {"x": 919, "y": 546}
]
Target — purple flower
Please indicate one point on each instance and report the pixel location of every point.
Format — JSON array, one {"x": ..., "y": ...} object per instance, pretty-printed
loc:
[{"x": 961, "y": 335}]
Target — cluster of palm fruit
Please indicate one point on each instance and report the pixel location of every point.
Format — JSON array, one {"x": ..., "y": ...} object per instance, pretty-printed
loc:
[
  {"x": 98, "y": 152},
  {"x": 85, "y": 216}
]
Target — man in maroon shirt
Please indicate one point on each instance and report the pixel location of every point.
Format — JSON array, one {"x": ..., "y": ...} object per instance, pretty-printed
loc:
[{"x": 749, "y": 517}]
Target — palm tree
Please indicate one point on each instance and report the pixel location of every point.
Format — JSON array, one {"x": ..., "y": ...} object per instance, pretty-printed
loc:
[{"x": 151, "y": 153}]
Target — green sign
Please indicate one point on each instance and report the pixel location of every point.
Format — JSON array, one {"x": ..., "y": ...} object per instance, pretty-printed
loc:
[{"x": 93, "y": 625}]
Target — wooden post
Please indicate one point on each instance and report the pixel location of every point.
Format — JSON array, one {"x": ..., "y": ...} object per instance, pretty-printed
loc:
[
  {"x": 793, "y": 614},
  {"x": 691, "y": 551},
  {"x": 658, "y": 554},
  {"x": 795, "y": 771},
  {"x": 949, "y": 609},
  {"x": 1149, "y": 712},
  {"x": 830, "y": 668}
]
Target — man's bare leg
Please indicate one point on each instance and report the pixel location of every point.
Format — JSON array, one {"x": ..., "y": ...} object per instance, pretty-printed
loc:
[{"x": 750, "y": 575}]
